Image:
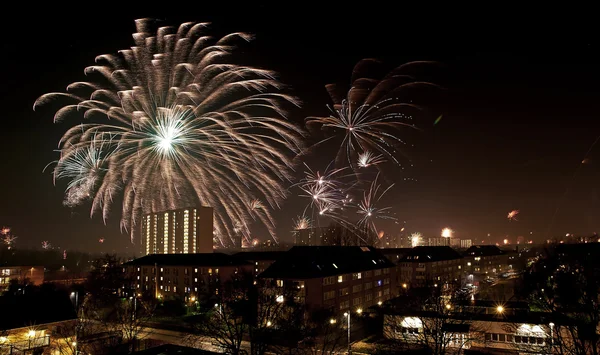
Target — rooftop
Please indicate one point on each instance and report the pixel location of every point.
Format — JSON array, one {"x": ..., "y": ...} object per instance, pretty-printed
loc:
[
  {"x": 430, "y": 254},
  {"x": 484, "y": 250},
  {"x": 308, "y": 262},
  {"x": 168, "y": 349},
  {"x": 201, "y": 259},
  {"x": 259, "y": 255}
]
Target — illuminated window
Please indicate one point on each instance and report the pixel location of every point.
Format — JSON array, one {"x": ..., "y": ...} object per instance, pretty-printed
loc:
[
  {"x": 341, "y": 278},
  {"x": 166, "y": 234},
  {"x": 186, "y": 231},
  {"x": 279, "y": 283}
]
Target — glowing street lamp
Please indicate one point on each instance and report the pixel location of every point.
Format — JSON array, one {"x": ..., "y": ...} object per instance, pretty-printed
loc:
[{"x": 500, "y": 309}]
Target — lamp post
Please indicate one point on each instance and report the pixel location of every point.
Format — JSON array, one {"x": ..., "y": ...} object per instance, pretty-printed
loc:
[
  {"x": 76, "y": 295},
  {"x": 347, "y": 314}
]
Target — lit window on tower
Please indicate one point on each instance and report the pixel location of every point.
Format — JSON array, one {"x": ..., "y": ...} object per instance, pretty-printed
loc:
[
  {"x": 166, "y": 235},
  {"x": 148, "y": 235},
  {"x": 173, "y": 232},
  {"x": 194, "y": 230},
  {"x": 155, "y": 234},
  {"x": 186, "y": 230}
]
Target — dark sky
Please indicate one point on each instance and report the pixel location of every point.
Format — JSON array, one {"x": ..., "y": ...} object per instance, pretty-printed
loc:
[{"x": 520, "y": 110}]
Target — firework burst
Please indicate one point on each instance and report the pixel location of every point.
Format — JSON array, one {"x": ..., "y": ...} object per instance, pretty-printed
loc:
[
  {"x": 368, "y": 209},
  {"x": 46, "y": 245},
  {"x": 327, "y": 191},
  {"x": 512, "y": 215},
  {"x": 373, "y": 114},
  {"x": 173, "y": 122}
]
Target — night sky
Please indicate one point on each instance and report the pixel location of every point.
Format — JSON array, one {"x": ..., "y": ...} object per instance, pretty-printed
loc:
[{"x": 520, "y": 110}]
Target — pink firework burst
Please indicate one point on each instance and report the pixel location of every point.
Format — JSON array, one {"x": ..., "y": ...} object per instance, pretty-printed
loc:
[{"x": 512, "y": 215}]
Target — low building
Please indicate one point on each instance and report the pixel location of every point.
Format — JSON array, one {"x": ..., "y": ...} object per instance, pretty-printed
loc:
[
  {"x": 260, "y": 259},
  {"x": 430, "y": 265},
  {"x": 23, "y": 274},
  {"x": 336, "y": 278},
  {"x": 472, "y": 333},
  {"x": 485, "y": 262},
  {"x": 182, "y": 275}
]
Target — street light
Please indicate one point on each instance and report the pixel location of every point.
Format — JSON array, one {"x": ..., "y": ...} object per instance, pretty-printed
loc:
[
  {"x": 332, "y": 321},
  {"x": 347, "y": 314},
  {"x": 500, "y": 309}
]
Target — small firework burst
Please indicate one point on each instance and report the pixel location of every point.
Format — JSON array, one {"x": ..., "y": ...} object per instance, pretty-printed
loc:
[
  {"x": 46, "y": 245},
  {"x": 5, "y": 230},
  {"x": 447, "y": 232},
  {"x": 101, "y": 240},
  {"x": 415, "y": 239},
  {"x": 512, "y": 215},
  {"x": 302, "y": 222},
  {"x": 367, "y": 159}
]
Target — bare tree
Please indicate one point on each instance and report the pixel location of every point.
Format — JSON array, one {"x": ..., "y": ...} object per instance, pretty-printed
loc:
[
  {"x": 323, "y": 334},
  {"x": 431, "y": 319},
  {"x": 567, "y": 287}
]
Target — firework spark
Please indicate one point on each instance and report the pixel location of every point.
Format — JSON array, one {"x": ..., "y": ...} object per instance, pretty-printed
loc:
[
  {"x": 415, "y": 239},
  {"x": 101, "y": 240},
  {"x": 175, "y": 124},
  {"x": 302, "y": 222},
  {"x": 367, "y": 207},
  {"x": 512, "y": 215},
  {"x": 367, "y": 159},
  {"x": 373, "y": 114},
  {"x": 46, "y": 245}
]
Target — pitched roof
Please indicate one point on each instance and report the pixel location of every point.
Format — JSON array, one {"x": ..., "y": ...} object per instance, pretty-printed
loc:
[
  {"x": 395, "y": 254},
  {"x": 201, "y": 259},
  {"x": 308, "y": 262},
  {"x": 259, "y": 255},
  {"x": 429, "y": 254},
  {"x": 168, "y": 349},
  {"x": 483, "y": 250}
]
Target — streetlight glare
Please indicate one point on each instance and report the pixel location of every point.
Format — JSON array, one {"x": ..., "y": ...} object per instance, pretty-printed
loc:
[
  {"x": 359, "y": 311},
  {"x": 500, "y": 309},
  {"x": 345, "y": 314}
]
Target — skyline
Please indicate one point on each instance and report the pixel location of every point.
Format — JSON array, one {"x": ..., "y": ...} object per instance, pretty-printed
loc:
[{"x": 511, "y": 136}]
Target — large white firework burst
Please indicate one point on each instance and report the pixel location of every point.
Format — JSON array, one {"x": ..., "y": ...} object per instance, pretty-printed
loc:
[
  {"x": 368, "y": 208},
  {"x": 180, "y": 124},
  {"x": 373, "y": 113}
]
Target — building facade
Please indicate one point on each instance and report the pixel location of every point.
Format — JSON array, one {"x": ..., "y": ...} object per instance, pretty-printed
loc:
[
  {"x": 185, "y": 276},
  {"x": 182, "y": 231},
  {"x": 430, "y": 265},
  {"x": 485, "y": 262},
  {"x": 32, "y": 274},
  {"x": 315, "y": 236},
  {"x": 341, "y": 279}
]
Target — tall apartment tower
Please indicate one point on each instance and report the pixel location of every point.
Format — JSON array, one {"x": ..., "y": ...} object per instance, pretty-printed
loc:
[{"x": 182, "y": 231}]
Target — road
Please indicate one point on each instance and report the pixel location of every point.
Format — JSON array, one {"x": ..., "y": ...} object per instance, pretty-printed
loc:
[{"x": 193, "y": 340}]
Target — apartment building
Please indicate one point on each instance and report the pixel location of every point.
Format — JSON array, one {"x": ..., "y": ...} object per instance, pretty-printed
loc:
[
  {"x": 430, "y": 265},
  {"x": 183, "y": 275},
  {"x": 182, "y": 231},
  {"x": 486, "y": 261},
  {"x": 343, "y": 279}
]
